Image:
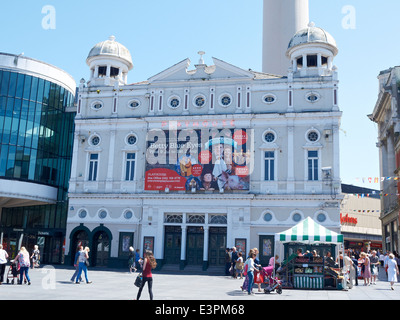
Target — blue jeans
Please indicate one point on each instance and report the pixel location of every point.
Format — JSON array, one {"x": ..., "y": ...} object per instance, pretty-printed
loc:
[
  {"x": 82, "y": 267},
  {"x": 22, "y": 271},
  {"x": 250, "y": 275}
]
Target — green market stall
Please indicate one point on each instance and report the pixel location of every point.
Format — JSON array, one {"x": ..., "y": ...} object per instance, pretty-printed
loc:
[{"x": 310, "y": 272}]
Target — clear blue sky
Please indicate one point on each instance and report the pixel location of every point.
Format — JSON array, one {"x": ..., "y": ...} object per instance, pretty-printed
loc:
[{"x": 161, "y": 33}]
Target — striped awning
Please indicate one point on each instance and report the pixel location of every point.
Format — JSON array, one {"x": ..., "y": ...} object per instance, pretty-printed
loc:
[{"x": 309, "y": 231}]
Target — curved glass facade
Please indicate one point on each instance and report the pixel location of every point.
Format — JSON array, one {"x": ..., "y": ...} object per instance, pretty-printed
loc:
[{"x": 36, "y": 137}]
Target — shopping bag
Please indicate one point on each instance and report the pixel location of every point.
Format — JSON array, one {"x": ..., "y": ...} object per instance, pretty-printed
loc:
[
  {"x": 246, "y": 267},
  {"x": 139, "y": 280}
]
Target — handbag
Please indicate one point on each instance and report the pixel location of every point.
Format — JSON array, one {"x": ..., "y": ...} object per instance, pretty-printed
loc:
[{"x": 139, "y": 280}]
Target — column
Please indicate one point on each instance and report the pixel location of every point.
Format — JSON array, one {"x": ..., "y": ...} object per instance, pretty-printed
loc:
[
  {"x": 205, "y": 247},
  {"x": 110, "y": 167},
  {"x": 183, "y": 247},
  {"x": 290, "y": 183}
]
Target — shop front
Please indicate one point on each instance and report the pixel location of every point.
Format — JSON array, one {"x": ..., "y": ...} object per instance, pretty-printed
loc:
[{"x": 50, "y": 243}]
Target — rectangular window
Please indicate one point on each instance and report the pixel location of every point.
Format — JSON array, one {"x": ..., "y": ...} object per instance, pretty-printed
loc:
[
  {"x": 312, "y": 165},
  {"x": 269, "y": 161},
  {"x": 93, "y": 164},
  {"x": 130, "y": 166}
]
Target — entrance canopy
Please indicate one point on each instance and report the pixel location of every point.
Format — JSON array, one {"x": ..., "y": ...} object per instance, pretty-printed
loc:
[{"x": 308, "y": 231}]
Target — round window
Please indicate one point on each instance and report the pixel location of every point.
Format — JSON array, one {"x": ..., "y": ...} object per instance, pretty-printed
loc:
[
  {"x": 95, "y": 140},
  {"x": 321, "y": 217},
  {"x": 313, "y": 136},
  {"x": 128, "y": 215},
  {"x": 269, "y": 137},
  {"x": 82, "y": 214},
  {"x": 226, "y": 101},
  {"x": 134, "y": 104},
  {"x": 312, "y": 97},
  {"x": 97, "y": 105},
  {"x": 174, "y": 103},
  {"x": 297, "y": 217},
  {"x": 102, "y": 214},
  {"x": 200, "y": 101},
  {"x": 269, "y": 99},
  {"x": 267, "y": 217},
  {"x": 132, "y": 139}
]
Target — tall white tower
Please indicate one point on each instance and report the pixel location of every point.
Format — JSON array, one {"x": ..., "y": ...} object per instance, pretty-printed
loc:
[{"x": 282, "y": 19}]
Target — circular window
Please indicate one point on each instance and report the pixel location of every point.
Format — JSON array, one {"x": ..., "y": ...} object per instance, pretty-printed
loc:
[
  {"x": 312, "y": 97},
  {"x": 131, "y": 139},
  {"x": 267, "y": 217},
  {"x": 296, "y": 217},
  {"x": 82, "y": 214},
  {"x": 95, "y": 141},
  {"x": 269, "y": 98},
  {"x": 269, "y": 137},
  {"x": 134, "y": 104},
  {"x": 97, "y": 105},
  {"x": 174, "y": 103},
  {"x": 226, "y": 100},
  {"x": 313, "y": 136},
  {"x": 199, "y": 101},
  {"x": 321, "y": 217},
  {"x": 102, "y": 214},
  {"x": 128, "y": 215}
]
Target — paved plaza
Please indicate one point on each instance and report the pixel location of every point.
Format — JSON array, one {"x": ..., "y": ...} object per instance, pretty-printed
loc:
[{"x": 49, "y": 283}]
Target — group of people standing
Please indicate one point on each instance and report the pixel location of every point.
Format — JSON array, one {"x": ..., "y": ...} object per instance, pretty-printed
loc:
[
  {"x": 367, "y": 266},
  {"x": 20, "y": 264}
]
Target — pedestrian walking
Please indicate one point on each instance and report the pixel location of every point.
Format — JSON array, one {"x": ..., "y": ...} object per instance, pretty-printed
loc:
[
  {"x": 76, "y": 264},
  {"x": 234, "y": 258},
  {"x": 149, "y": 263},
  {"x": 131, "y": 259},
  {"x": 227, "y": 262},
  {"x": 83, "y": 262},
  {"x": 355, "y": 265},
  {"x": 366, "y": 268},
  {"x": 3, "y": 262},
  {"x": 381, "y": 258},
  {"x": 349, "y": 269},
  {"x": 24, "y": 264},
  {"x": 258, "y": 278},
  {"x": 35, "y": 257},
  {"x": 393, "y": 270},
  {"x": 250, "y": 272},
  {"x": 138, "y": 261},
  {"x": 374, "y": 259},
  {"x": 245, "y": 284},
  {"x": 239, "y": 266}
]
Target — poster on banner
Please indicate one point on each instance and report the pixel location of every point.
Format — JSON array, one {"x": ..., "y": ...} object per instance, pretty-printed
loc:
[{"x": 198, "y": 159}]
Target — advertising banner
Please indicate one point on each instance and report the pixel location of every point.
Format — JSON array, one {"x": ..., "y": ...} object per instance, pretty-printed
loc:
[{"x": 198, "y": 159}]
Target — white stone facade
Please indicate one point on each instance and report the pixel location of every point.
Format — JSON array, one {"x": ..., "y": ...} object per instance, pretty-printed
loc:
[{"x": 292, "y": 123}]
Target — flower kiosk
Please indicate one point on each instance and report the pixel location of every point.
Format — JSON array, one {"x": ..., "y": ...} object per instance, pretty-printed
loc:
[{"x": 309, "y": 257}]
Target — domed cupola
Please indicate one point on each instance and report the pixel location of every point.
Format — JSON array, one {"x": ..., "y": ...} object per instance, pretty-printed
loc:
[
  {"x": 311, "y": 51},
  {"x": 109, "y": 61}
]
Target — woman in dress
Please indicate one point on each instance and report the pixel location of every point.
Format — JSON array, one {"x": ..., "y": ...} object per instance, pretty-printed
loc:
[
  {"x": 35, "y": 257},
  {"x": 366, "y": 273},
  {"x": 393, "y": 270}
]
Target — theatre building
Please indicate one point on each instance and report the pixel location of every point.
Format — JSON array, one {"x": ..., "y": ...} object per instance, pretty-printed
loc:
[
  {"x": 36, "y": 135},
  {"x": 202, "y": 157}
]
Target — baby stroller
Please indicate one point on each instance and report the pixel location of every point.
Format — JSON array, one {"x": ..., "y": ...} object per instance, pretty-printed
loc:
[
  {"x": 273, "y": 283},
  {"x": 13, "y": 271}
]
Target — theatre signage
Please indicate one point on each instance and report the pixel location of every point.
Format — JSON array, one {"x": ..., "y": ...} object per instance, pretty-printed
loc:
[{"x": 208, "y": 159}]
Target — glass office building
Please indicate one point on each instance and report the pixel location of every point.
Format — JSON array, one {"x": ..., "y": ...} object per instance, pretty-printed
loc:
[{"x": 36, "y": 137}]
